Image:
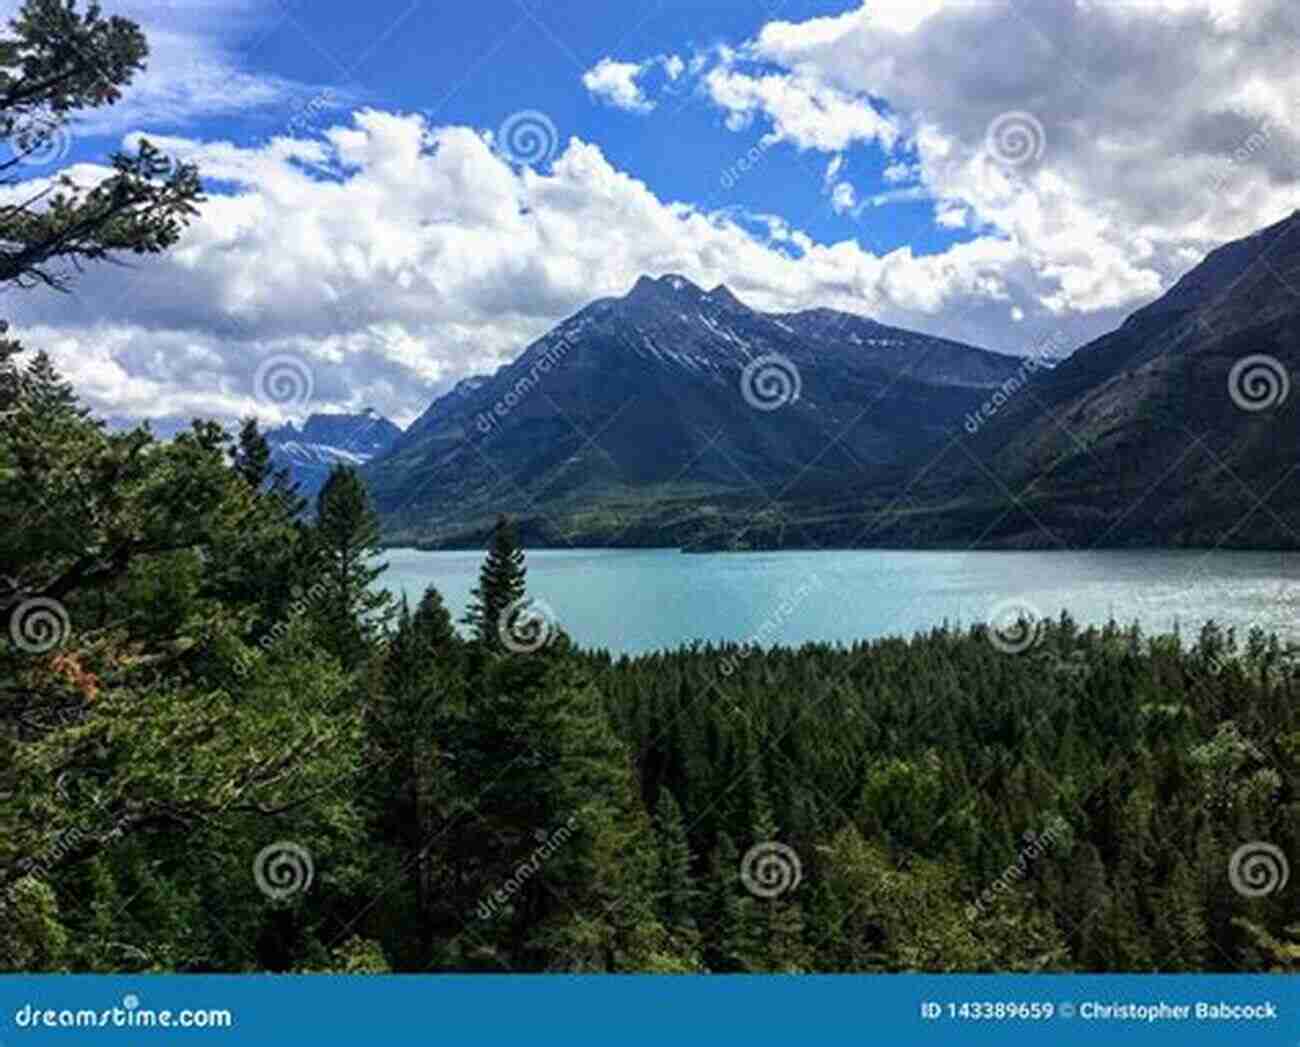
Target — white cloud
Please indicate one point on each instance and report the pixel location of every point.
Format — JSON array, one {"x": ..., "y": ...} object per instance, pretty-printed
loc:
[
  {"x": 1166, "y": 123},
  {"x": 843, "y": 198},
  {"x": 804, "y": 112},
  {"x": 394, "y": 259},
  {"x": 619, "y": 83},
  {"x": 615, "y": 83},
  {"x": 195, "y": 69}
]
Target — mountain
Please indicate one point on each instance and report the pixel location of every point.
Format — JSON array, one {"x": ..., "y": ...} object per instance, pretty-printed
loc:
[
  {"x": 326, "y": 440},
  {"x": 1180, "y": 428},
  {"x": 648, "y": 418}
]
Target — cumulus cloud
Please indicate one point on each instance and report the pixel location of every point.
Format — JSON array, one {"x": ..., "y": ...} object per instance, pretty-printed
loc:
[
  {"x": 1112, "y": 144},
  {"x": 619, "y": 83},
  {"x": 1159, "y": 128},
  {"x": 393, "y": 258},
  {"x": 804, "y": 112}
]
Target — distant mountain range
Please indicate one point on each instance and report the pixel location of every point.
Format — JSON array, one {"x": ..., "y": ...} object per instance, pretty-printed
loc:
[
  {"x": 648, "y": 419},
  {"x": 679, "y": 416},
  {"x": 327, "y": 440}
]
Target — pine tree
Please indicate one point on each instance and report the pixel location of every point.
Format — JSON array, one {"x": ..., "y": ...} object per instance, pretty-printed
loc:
[
  {"x": 1180, "y": 931},
  {"x": 778, "y": 920},
  {"x": 675, "y": 886},
  {"x": 346, "y": 540},
  {"x": 253, "y": 455},
  {"x": 411, "y": 724},
  {"x": 501, "y": 583},
  {"x": 732, "y": 945}
]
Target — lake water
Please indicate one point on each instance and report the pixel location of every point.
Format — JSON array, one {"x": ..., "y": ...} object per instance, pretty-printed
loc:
[{"x": 641, "y": 600}]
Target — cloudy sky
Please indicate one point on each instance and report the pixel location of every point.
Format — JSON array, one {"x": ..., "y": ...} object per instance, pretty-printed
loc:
[{"x": 403, "y": 193}]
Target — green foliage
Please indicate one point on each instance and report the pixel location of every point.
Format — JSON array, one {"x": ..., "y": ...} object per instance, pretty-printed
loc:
[
  {"x": 55, "y": 61},
  {"x": 502, "y": 581},
  {"x": 350, "y": 611}
]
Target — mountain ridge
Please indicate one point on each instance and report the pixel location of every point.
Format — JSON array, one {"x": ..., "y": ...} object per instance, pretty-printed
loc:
[{"x": 633, "y": 407}]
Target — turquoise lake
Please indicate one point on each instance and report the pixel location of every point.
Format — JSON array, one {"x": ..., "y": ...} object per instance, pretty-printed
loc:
[{"x": 644, "y": 599}]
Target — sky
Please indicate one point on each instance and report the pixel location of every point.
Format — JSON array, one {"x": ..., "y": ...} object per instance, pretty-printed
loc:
[{"x": 404, "y": 193}]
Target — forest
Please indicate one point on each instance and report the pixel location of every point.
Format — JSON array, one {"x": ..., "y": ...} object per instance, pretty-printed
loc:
[{"x": 225, "y": 747}]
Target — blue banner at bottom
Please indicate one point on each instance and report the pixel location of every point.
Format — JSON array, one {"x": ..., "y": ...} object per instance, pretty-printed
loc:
[{"x": 895, "y": 1009}]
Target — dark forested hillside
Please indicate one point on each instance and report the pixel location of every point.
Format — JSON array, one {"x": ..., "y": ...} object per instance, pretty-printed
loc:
[{"x": 1180, "y": 428}]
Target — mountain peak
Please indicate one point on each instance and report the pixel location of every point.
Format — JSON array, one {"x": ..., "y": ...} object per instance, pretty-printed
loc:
[
  {"x": 664, "y": 286},
  {"x": 723, "y": 296}
]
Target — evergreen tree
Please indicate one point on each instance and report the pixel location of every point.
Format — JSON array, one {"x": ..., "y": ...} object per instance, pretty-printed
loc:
[
  {"x": 1181, "y": 936},
  {"x": 412, "y": 724},
  {"x": 778, "y": 919},
  {"x": 733, "y": 946},
  {"x": 55, "y": 60},
  {"x": 253, "y": 455},
  {"x": 501, "y": 583},
  {"x": 346, "y": 541},
  {"x": 674, "y": 883}
]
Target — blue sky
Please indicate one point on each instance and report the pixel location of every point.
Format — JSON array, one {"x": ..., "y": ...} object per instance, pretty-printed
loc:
[
  {"x": 1003, "y": 173},
  {"x": 479, "y": 63}
]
